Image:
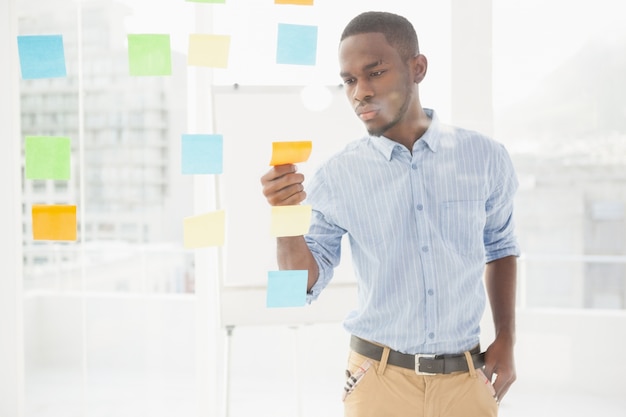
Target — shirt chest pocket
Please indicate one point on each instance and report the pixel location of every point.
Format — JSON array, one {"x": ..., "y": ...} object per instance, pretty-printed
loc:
[{"x": 461, "y": 225}]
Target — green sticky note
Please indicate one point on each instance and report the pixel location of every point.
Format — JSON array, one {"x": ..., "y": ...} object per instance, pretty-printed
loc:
[
  {"x": 47, "y": 158},
  {"x": 149, "y": 55}
]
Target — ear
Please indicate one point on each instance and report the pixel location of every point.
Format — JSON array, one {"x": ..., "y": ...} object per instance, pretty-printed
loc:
[{"x": 419, "y": 65}]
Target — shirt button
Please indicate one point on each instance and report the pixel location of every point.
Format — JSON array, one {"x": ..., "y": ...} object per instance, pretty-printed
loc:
[
  {"x": 431, "y": 335},
  {"x": 424, "y": 248},
  {"x": 420, "y": 207},
  {"x": 414, "y": 165},
  {"x": 431, "y": 292}
]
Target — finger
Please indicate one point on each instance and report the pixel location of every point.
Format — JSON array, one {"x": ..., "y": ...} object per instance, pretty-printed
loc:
[
  {"x": 283, "y": 186},
  {"x": 291, "y": 195},
  {"x": 488, "y": 370},
  {"x": 275, "y": 179},
  {"x": 280, "y": 177},
  {"x": 278, "y": 171},
  {"x": 501, "y": 385}
]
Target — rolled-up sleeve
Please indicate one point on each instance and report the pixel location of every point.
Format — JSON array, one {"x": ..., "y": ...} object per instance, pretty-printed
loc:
[
  {"x": 324, "y": 237},
  {"x": 499, "y": 233}
]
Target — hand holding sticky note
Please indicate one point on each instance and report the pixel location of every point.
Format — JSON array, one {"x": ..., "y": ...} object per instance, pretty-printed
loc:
[
  {"x": 290, "y": 152},
  {"x": 293, "y": 220}
]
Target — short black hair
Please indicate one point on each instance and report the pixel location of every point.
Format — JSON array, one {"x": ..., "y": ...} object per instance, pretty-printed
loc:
[{"x": 398, "y": 31}]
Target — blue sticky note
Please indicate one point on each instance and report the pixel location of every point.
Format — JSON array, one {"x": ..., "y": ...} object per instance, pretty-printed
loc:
[
  {"x": 41, "y": 56},
  {"x": 297, "y": 44},
  {"x": 286, "y": 288},
  {"x": 202, "y": 154}
]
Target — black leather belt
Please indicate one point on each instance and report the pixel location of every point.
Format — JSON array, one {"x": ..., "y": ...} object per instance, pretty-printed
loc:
[{"x": 422, "y": 364}]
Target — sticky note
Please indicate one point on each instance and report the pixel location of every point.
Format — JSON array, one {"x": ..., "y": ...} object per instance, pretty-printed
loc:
[
  {"x": 290, "y": 220},
  {"x": 54, "y": 222},
  {"x": 204, "y": 230},
  {"x": 41, "y": 56},
  {"x": 296, "y": 2},
  {"x": 297, "y": 44},
  {"x": 207, "y": 1},
  {"x": 149, "y": 55},
  {"x": 290, "y": 152},
  {"x": 286, "y": 288},
  {"x": 47, "y": 157},
  {"x": 208, "y": 50},
  {"x": 202, "y": 154}
]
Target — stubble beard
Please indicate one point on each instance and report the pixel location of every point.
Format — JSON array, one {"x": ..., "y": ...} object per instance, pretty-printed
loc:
[{"x": 399, "y": 115}]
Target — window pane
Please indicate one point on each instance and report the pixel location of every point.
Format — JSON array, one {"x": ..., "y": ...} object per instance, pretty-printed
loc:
[
  {"x": 559, "y": 108},
  {"x": 109, "y": 318}
]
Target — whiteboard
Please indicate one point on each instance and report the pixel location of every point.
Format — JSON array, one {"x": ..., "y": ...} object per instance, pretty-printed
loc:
[{"x": 250, "y": 118}]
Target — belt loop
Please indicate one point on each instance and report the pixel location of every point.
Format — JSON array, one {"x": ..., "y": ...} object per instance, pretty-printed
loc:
[
  {"x": 470, "y": 364},
  {"x": 383, "y": 361}
]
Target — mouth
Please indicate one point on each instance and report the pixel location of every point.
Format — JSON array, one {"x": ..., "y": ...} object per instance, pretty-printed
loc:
[{"x": 367, "y": 113}]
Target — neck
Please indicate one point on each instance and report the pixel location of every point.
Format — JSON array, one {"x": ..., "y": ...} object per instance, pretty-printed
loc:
[{"x": 412, "y": 130}]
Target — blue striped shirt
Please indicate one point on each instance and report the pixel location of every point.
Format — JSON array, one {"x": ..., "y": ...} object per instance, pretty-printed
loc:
[{"x": 421, "y": 226}]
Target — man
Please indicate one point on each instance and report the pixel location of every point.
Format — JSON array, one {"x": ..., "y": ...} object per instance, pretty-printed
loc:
[{"x": 428, "y": 212}]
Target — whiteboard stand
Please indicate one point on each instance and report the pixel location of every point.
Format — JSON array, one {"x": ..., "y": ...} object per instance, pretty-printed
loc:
[
  {"x": 227, "y": 366},
  {"x": 296, "y": 369},
  {"x": 255, "y": 313}
]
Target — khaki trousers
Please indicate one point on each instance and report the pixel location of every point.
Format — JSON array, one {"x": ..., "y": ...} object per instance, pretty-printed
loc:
[{"x": 391, "y": 391}]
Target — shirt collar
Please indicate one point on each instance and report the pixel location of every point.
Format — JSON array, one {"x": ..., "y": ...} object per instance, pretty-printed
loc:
[{"x": 430, "y": 138}]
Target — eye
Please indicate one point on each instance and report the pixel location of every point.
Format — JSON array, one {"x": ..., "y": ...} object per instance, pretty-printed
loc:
[
  {"x": 348, "y": 81},
  {"x": 377, "y": 73}
]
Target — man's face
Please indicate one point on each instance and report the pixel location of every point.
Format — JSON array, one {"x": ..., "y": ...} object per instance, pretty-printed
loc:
[{"x": 377, "y": 81}]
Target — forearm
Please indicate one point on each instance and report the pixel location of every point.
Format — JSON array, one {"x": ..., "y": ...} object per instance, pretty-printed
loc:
[
  {"x": 294, "y": 254},
  {"x": 501, "y": 283}
]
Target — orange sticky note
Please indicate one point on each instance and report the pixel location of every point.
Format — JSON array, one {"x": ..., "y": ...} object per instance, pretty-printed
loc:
[
  {"x": 204, "y": 230},
  {"x": 298, "y": 2},
  {"x": 290, "y": 152},
  {"x": 290, "y": 220},
  {"x": 54, "y": 222}
]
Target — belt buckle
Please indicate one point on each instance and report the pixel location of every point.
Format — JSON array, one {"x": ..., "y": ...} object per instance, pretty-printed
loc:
[{"x": 417, "y": 363}]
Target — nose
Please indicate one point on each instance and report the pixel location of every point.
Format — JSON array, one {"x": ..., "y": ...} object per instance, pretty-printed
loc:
[{"x": 362, "y": 91}]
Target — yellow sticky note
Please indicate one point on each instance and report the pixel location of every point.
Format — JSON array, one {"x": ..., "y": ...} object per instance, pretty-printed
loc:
[
  {"x": 290, "y": 220},
  {"x": 204, "y": 230},
  {"x": 290, "y": 152},
  {"x": 54, "y": 222},
  {"x": 208, "y": 50},
  {"x": 298, "y": 2}
]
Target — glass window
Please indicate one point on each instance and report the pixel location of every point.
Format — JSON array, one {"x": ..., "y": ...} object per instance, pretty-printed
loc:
[{"x": 558, "y": 107}]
